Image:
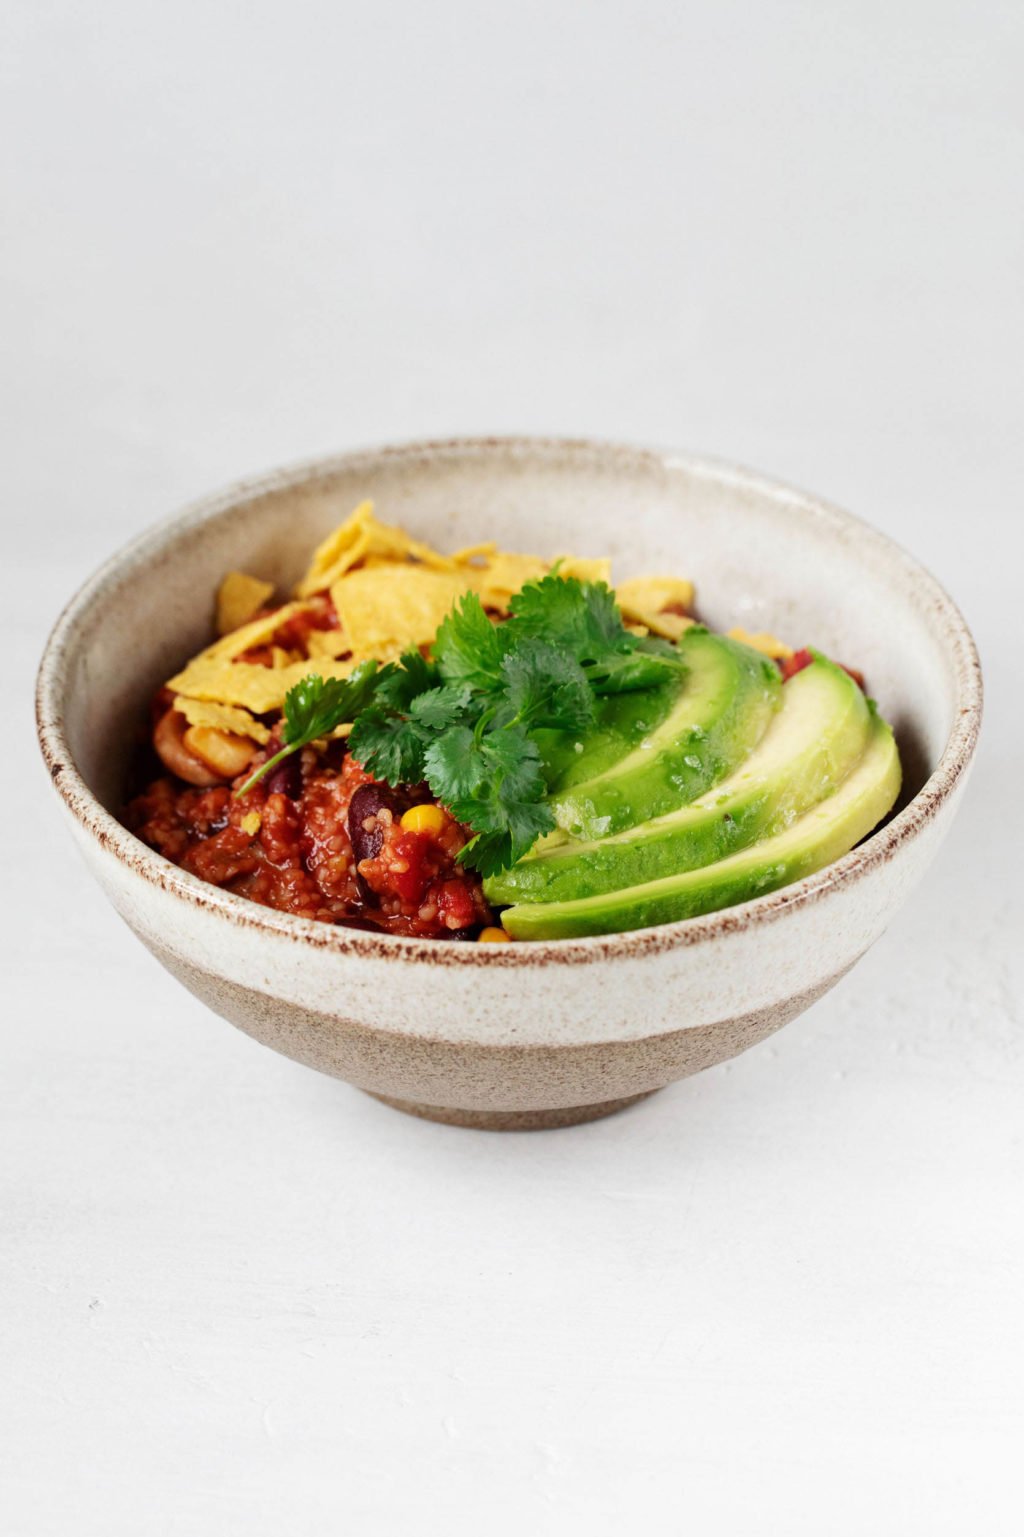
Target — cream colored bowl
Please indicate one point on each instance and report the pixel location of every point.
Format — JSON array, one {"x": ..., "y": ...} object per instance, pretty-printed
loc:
[{"x": 534, "y": 1034}]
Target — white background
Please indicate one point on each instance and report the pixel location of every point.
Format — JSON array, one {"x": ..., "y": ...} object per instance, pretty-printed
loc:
[{"x": 784, "y": 1297}]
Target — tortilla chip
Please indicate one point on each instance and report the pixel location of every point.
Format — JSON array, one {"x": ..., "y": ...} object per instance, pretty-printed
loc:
[
  {"x": 646, "y": 599},
  {"x": 654, "y": 593},
  {"x": 584, "y": 570},
  {"x": 390, "y": 609},
  {"x": 331, "y": 643},
  {"x": 385, "y": 608},
  {"x": 279, "y": 657},
  {"x": 222, "y": 717},
  {"x": 763, "y": 641},
  {"x": 333, "y": 555},
  {"x": 502, "y": 575},
  {"x": 496, "y": 575},
  {"x": 238, "y": 598},
  {"x": 259, "y": 689},
  {"x": 359, "y": 539},
  {"x": 669, "y": 626},
  {"x": 474, "y": 554},
  {"x": 394, "y": 544},
  {"x": 257, "y": 633}
]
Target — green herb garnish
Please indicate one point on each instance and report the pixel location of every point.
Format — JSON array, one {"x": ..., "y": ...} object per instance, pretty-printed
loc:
[
  {"x": 465, "y": 722},
  {"x": 315, "y": 706}
]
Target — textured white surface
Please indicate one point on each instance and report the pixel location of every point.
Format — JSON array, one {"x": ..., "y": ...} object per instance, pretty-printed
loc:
[{"x": 784, "y": 1296}]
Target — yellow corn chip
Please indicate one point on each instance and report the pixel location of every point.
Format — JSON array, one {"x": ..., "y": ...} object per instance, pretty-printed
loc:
[
  {"x": 259, "y": 689},
  {"x": 238, "y": 598},
  {"x": 499, "y": 575},
  {"x": 256, "y": 633},
  {"x": 504, "y": 574},
  {"x": 669, "y": 626},
  {"x": 359, "y": 539},
  {"x": 390, "y": 609},
  {"x": 654, "y": 593},
  {"x": 762, "y": 641},
  {"x": 474, "y": 554},
  {"x": 328, "y": 643},
  {"x": 333, "y": 556},
  {"x": 222, "y": 717},
  {"x": 395, "y": 544},
  {"x": 584, "y": 570},
  {"x": 645, "y": 598}
]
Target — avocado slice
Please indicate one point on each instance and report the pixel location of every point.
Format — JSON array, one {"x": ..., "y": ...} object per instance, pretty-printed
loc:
[
  {"x": 821, "y": 835},
  {"x": 623, "y": 722},
  {"x": 728, "y": 697},
  {"x": 811, "y": 744}
]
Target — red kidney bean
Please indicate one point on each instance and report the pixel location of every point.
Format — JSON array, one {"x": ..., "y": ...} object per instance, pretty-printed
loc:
[
  {"x": 286, "y": 779},
  {"x": 367, "y": 801},
  {"x": 365, "y": 805}
]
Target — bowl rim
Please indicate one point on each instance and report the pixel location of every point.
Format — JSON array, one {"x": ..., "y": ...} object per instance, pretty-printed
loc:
[{"x": 880, "y": 847}]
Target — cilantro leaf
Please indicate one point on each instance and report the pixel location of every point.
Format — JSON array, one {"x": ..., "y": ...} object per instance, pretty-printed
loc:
[
  {"x": 390, "y": 736},
  {"x": 315, "y": 706},
  {"x": 467, "y": 647},
  {"x": 441, "y": 707},
  {"x": 547, "y": 688},
  {"x": 389, "y": 746},
  {"x": 583, "y": 619},
  {"x": 494, "y": 785},
  {"x": 452, "y": 765},
  {"x": 622, "y": 672},
  {"x": 403, "y": 682},
  {"x": 490, "y": 853},
  {"x": 391, "y": 742}
]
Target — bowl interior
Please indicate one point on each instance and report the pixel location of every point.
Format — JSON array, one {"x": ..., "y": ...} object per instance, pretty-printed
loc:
[{"x": 761, "y": 556}]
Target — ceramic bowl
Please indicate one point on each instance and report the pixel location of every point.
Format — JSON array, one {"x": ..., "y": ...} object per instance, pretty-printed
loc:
[{"x": 542, "y": 1034}]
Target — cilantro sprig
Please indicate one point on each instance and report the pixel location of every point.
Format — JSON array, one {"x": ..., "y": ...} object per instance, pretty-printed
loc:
[
  {"x": 315, "y": 706},
  {"x": 466, "y": 721}
]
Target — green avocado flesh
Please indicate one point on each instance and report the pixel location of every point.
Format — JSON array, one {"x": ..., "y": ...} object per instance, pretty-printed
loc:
[
  {"x": 727, "y": 699},
  {"x": 821, "y": 834},
  {"x": 811, "y": 744},
  {"x": 623, "y": 723}
]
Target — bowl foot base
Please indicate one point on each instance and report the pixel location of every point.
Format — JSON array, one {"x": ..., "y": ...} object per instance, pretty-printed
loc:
[{"x": 513, "y": 1120}]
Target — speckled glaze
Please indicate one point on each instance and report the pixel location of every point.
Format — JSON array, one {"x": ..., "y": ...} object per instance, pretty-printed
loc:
[{"x": 531, "y": 1035}]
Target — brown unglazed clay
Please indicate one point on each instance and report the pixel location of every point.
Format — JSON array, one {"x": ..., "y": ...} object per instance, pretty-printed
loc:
[{"x": 461, "y": 1082}]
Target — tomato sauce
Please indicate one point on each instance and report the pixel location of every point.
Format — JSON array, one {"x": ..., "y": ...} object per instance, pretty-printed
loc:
[
  {"x": 296, "y": 842},
  {"x": 791, "y": 665}
]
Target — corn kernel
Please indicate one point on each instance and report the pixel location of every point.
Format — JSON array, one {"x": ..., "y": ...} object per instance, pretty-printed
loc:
[
  {"x": 424, "y": 819},
  {"x": 250, "y": 823},
  {"x": 492, "y": 937}
]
